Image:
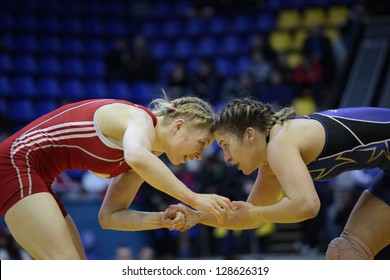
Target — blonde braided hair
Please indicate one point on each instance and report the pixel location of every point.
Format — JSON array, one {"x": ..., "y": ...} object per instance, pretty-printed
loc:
[
  {"x": 190, "y": 108},
  {"x": 240, "y": 114}
]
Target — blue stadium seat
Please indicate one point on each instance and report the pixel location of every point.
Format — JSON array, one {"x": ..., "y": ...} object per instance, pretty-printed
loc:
[
  {"x": 26, "y": 43},
  {"x": 183, "y": 48},
  {"x": 95, "y": 89},
  {"x": 71, "y": 25},
  {"x": 265, "y": 22},
  {"x": 43, "y": 107},
  {"x": 232, "y": 45},
  {"x": 49, "y": 44},
  {"x": 72, "y": 67},
  {"x": 95, "y": 47},
  {"x": 72, "y": 46},
  {"x": 162, "y": 8},
  {"x": 48, "y": 87},
  {"x": 23, "y": 86},
  {"x": 95, "y": 68},
  {"x": 48, "y": 23},
  {"x": 141, "y": 93},
  {"x": 26, "y": 22},
  {"x": 208, "y": 46},
  {"x": 94, "y": 27},
  {"x": 195, "y": 27},
  {"x": 164, "y": 69},
  {"x": 150, "y": 29},
  {"x": 242, "y": 23},
  {"x": 219, "y": 25},
  {"x": 116, "y": 28},
  {"x": 49, "y": 65},
  {"x": 160, "y": 49},
  {"x": 7, "y": 21},
  {"x": 5, "y": 86},
  {"x": 22, "y": 110},
  {"x": 225, "y": 66},
  {"x": 172, "y": 28},
  {"x": 3, "y": 106},
  {"x": 6, "y": 64},
  {"x": 25, "y": 64},
  {"x": 73, "y": 89},
  {"x": 94, "y": 8},
  {"x": 71, "y": 7},
  {"x": 242, "y": 65},
  {"x": 119, "y": 90},
  {"x": 115, "y": 9}
]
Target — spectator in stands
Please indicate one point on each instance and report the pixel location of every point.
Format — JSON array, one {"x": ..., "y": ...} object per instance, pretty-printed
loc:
[
  {"x": 260, "y": 69},
  {"x": 205, "y": 82},
  {"x": 318, "y": 46},
  {"x": 260, "y": 44},
  {"x": 118, "y": 60},
  {"x": 179, "y": 80},
  {"x": 141, "y": 65}
]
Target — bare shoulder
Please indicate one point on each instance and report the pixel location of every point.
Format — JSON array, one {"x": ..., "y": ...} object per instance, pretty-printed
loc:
[
  {"x": 113, "y": 119},
  {"x": 305, "y": 135}
]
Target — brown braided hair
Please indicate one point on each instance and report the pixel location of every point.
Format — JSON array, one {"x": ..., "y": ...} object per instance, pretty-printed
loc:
[
  {"x": 190, "y": 108},
  {"x": 240, "y": 114}
]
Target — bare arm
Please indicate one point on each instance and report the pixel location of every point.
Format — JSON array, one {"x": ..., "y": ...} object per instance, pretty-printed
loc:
[
  {"x": 137, "y": 133},
  {"x": 115, "y": 213}
]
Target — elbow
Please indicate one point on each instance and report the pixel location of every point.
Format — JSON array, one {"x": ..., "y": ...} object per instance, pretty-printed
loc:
[
  {"x": 135, "y": 158},
  {"x": 309, "y": 209},
  {"x": 103, "y": 218}
]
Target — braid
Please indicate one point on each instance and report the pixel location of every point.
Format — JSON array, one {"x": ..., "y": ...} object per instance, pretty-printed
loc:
[
  {"x": 242, "y": 113},
  {"x": 192, "y": 108}
]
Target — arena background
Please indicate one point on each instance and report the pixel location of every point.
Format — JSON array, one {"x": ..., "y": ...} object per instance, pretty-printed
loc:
[{"x": 310, "y": 54}]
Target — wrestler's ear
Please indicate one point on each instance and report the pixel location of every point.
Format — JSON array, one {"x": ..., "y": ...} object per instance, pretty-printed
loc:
[
  {"x": 250, "y": 134},
  {"x": 178, "y": 124}
]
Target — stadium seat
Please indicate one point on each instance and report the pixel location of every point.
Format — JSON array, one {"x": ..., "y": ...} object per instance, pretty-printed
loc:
[
  {"x": 160, "y": 49},
  {"x": 73, "y": 89},
  {"x": 95, "y": 89},
  {"x": 298, "y": 39},
  {"x": 6, "y": 64},
  {"x": 22, "y": 110},
  {"x": 49, "y": 65},
  {"x": 242, "y": 65},
  {"x": 93, "y": 27},
  {"x": 72, "y": 46},
  {"x": 26, "y": 22},
  {"x": 71, "y": 25},
  {"x": 49, "y": 44},
  {"x": 5, "y": 86},
  {"x": 225, "y": 67},
  {"x": 26, "y": 43},
  {"x": 313, "y": 16},
  {"x": 337, "y": 15},
  {"x": 25, "y": 64},
  {"x": 183, "y": 48},
  {"x": 232, "y": 45},
  {"x": 7, "y": 21},
  {"x": 49, "y": 24},
  {"x": 119, "y": 90},
  {"x": 280, "y": 41},
  {"x": 116, "y": 28},
  {"x": 141, "y": 93},
  {"x": 172, "y": 28},
  {"x": 48, "y": 87},
  {"x": 95, "y": 47},
  {"x": 218, "y": 25},
  {"x": 289, "y": 19},
  {"x": 294, "y": 59},
  {"x": 23, "y": 86},
  {"x": 207, "y": 46},
  {"x": 72, "y": 67},
  {"x": 195, "y": 27},
  {"x": 43, "y": 107},
  {"x": 95, "y": 68},
  {"x": 242, "y": 23},
  {"x": 150, "y": 29},
  {"x": 265, "y": 22}
]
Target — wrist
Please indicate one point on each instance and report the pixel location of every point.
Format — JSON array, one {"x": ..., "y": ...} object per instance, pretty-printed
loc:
[{"x": 255, "y": 213}]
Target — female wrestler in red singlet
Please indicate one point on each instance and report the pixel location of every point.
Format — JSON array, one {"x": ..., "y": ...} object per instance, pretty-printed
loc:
[{"x": 115, "y": 139}]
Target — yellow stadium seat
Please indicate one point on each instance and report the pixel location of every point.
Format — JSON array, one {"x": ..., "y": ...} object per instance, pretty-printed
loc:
[
  {"x": 313, "y": 16},
  {"x": 294, "y": 59},
  {"x": 289, "y": 19},
  {"x": 332, "y": 33},
  {"x": 299, "y": 38},
  {"x": 337, "y": 15},
  {"x": 280, "y": 41}
]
